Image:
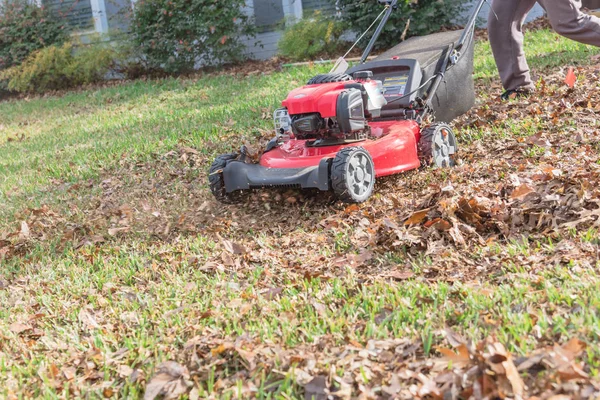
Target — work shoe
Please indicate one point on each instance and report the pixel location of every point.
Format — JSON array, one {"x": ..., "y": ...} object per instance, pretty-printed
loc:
[{"x": 516, "y": 94}]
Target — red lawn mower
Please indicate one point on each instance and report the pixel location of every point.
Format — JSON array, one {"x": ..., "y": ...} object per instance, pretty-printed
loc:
[{"x": 344, "y": 129}]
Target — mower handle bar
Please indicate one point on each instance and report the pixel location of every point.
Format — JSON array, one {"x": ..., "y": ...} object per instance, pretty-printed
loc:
[
  {"x": 391, "y": 5},
  {"x": 453, "y": 54},
  {"x": 470, "y": 27}
]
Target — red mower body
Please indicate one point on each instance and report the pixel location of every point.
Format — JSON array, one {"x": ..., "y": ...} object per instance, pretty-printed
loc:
[{"x": 393, "y": 149}]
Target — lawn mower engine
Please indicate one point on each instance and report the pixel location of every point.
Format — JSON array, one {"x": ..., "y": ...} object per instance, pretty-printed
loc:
[{"x": 331, "y": 108}]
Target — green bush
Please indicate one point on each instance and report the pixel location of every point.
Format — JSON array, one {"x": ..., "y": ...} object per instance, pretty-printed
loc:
[
  {"x": 25, "y": 28},
  {"x": 59, "y": 67},
  {"x": 311, "y": 37},
  {"x": 426, "y": 16},
  {"x": 173, "y": 36}
]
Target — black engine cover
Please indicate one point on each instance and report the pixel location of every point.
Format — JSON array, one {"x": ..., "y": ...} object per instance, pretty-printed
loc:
[{"x": 350, "y": 111}]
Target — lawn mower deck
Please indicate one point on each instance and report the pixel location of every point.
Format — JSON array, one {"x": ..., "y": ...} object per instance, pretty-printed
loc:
[
  {"x": 343, "y": 130},
  {"x": 300, "y": 164}
]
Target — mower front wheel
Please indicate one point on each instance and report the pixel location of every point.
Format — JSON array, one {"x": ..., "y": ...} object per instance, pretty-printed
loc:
[
  {"x": 438, "y": 145},
  {"x": 217, "y": 184},
  {"x": 353, "y": 175}
]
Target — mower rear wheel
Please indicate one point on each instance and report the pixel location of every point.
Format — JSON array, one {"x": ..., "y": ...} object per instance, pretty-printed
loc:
[
  {"x": 438, "y": 145},
  {"x": 217, "y": 184},
  {"x": 353, "y": 175}
]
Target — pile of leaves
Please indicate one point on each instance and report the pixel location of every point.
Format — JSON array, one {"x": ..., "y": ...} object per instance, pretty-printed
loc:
[{"x": 393, "y": 368}]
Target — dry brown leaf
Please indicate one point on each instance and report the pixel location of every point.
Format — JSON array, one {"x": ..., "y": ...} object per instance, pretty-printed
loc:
[
  {"x": 500, "y": 357},
  {"x": 401, "y": 275},
  {"x": 233, "y": 248},
  {"x": 18, "y": 328},
  {"x": 417, "y": 217},
  {"x": 316, "y": 389},
  {"x": 394, "y": 386},
  {"x": 124, "y": 370},
  {"x": 223, "y": 347},
  {"x": 69, "y": 373},
  {"x": 116, "y": 231},
  {"x": 522, "y": 191},
  {"x": 87, "y": 319},
  {"x": 573, "y": 348},
  {"x": 248, "y": 357},
  {"x": 571, "y": 78},
  {"x": 272, "y": 293},
  {"x": 24, "y": 232},
  {"x": 171, "y": 381}
]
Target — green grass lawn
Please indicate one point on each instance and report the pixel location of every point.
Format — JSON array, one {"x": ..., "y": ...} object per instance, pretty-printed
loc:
[{"x": 114, "y": 257}]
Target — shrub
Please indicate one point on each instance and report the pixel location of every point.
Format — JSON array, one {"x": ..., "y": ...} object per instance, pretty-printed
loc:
[
  {"x": 174, "y": 36},
  {"x": 311, "y": 37},
  {"x": 25, "y": 28},
  {"x": 426, "y": 16},
  {"x": 59, "y": 67}
]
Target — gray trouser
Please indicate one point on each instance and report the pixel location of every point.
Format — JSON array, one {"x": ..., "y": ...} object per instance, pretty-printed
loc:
[{"x": 506, "y": 36}]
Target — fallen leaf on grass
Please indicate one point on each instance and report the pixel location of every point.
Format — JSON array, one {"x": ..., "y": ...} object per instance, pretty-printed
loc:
[
  {"x": 87, "y": 319},
  {"x": 124, "y": 371},
  {"x": 69, "y": 373},
  {"x": 571, "y": 78},
  {"x": 233, "y": 248},
  {"x": 522, "y": 191},
  {"x": 560, "y": 397},
  {"x": 272, "y": 293},
  {"x": 501, "y": 363},
  {"x": 351, "y": 208},
  {"x": 170, "y": 381},
  {"x": 223, "y": 347},
  {"x": 18, "y": 328},
  {"x": 248, "y": 357},
  {"x": 394, "y": 386},
  {"x": 115, "y": 231},
  {"x": 25, "y": 233},
  {"x": 417, "y": 217},
  {"x": 401, "y": 275},
  {"x": 320, "y": 308},
  {"x": 316, "y": 389},
  {"x": 564, "y": 358}
]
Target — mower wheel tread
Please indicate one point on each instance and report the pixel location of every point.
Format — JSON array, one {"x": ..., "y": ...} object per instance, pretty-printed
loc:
[
  {"x": 427, "y": 142},
  {"x": 340, "y": 175},
  {"x": 215, "y": 179},
  {"x": 328, "y": 78}
]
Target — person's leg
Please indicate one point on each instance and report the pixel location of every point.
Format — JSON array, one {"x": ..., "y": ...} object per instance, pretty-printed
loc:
[
  {"x": 505, "y": 24},
  {"x": 567, "y": 20}
]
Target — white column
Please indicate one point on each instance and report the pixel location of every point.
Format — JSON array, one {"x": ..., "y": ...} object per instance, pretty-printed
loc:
[
  {"x": 99, "y": 15},
  {"x": 297, "y": 8},
  {"x": 292, "y": 9}
]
